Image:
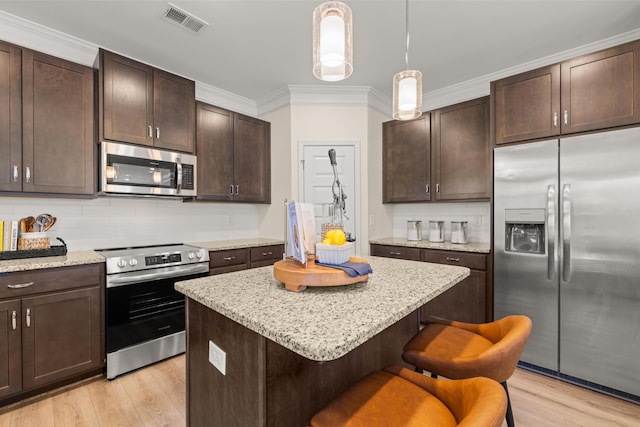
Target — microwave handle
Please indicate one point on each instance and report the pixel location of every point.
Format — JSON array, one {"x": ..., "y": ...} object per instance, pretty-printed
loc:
[{"x": 179, "y": 172}]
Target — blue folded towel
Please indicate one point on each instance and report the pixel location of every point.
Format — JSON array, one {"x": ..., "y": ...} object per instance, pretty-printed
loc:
[{"x": 353, "y": 269}]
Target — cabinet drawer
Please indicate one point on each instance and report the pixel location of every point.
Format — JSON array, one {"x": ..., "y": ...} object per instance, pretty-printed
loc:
[
  {"x": 50, "y": 280},
  {"x": 464, "y": 259},
  {"x": 227, "y": 258},
  {"x": 399, "y": 252},
  {"x": 265, "y": 255}
]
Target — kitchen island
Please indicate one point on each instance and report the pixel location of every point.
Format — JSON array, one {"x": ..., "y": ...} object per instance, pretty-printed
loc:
[{"x": 286, "y": 355}]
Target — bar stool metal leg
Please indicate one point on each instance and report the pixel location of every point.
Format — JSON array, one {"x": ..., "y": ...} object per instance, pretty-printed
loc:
[{"x": 510, "y": 421}]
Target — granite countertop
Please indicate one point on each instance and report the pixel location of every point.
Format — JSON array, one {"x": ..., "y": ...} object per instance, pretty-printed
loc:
[
  {"x": 219, "y": 245},
  {"x": 324, "y": 323},
  {"x": 71, "y": 258},
  {"x": 483, "y": 248}
]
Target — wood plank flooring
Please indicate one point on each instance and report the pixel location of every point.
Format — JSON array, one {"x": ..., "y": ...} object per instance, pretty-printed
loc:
[{"x": 155, "y": 396}]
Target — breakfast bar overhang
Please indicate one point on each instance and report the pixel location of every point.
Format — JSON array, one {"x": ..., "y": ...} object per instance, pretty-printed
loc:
[{"x": 285, "y": 355}]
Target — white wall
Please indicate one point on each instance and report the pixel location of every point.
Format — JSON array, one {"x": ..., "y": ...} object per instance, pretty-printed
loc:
[
  {"x": 380, "y": 216},
  {"x": 123, "y": 221},
  {"x": 477, "y": 214},
  {"x": 271, "y": 217}
]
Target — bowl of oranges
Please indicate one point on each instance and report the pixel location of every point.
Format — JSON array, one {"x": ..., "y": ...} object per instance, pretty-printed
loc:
[{"x": 334, "y": 249}]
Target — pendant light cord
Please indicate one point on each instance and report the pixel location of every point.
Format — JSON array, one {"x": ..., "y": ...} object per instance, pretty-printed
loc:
[{"x": 406, "y": 26}]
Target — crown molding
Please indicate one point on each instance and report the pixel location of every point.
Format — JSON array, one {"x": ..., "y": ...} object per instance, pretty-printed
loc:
[
  {"x": 480, "y": 86},
  {"x": 324, "y": 95},
  {"x": 22, "y": 32},
  {"x": 222, "y": 98}
]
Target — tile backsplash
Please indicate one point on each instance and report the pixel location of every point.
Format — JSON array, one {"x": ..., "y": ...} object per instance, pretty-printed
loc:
[
  {"x": 478, "y": 216},
  {"x": 108, "y": 222}
]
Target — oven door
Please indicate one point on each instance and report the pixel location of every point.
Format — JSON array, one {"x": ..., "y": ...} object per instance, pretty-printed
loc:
[{"x": 144, "y": 311}]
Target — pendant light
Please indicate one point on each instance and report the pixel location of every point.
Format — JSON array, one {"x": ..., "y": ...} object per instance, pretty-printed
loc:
[
  {"x": 407, "y": 86},
  {"x": 332, "y": 41}
]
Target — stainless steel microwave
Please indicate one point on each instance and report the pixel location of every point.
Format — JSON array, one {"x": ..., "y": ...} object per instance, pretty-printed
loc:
[{"x": 135, "y": 170}]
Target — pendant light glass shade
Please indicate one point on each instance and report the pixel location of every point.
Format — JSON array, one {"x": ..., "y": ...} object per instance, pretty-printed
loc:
[
  {"x": 407, "y": 86},
  {"x": 332, "y": 41},
  {"x": 407, "y": 95}
]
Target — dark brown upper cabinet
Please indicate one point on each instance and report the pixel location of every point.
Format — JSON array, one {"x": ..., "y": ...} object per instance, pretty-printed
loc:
[
  {"x": 406, "y": 160},
  {"x": 461, "y": 158},
  {"x": 590, "y": 92},
  {"x": 143, "y": 105},
  {"x": 48, "y": 134},
  {"x": 234, "y": 156}
]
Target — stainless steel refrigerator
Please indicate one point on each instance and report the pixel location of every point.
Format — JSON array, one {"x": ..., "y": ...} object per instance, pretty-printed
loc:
[{"x": 567, "y": 254}]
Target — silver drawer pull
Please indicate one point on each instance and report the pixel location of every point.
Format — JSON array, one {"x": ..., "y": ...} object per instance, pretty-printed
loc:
[
  {"x": 453, "y": 259},
  {"x": 150, "y": 131},
  {"x": 14, "y": 320},
  {"x": 28, "y": 317},
  {"x": 20, "y": 285},
  {"x": 267, "y": 253},
  {"x": 395, "y": 253},
  {"x": 229, "y": 258}
]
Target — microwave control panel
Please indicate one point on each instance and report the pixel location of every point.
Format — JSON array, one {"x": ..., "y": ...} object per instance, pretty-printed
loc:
[{"x": 187, "y": 177}]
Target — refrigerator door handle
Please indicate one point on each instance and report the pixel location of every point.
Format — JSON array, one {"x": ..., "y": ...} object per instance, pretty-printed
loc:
[
  {"x": 551, "y": 221},
  {"x": 566, "y": 232}
]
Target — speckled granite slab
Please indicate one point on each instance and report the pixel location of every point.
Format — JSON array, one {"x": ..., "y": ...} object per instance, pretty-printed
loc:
[
  {"x": 237, "y": 244},
  {"x": 324, "y": 323},
  {"x": 72, "y": 258},
  {"x": 484, "y": 248}
]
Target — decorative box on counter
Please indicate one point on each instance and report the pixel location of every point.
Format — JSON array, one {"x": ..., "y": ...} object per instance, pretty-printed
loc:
[{"x": 35, "y": 247}]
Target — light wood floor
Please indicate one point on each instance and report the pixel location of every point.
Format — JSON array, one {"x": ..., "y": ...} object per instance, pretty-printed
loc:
[{"x": 155, "y": 396}]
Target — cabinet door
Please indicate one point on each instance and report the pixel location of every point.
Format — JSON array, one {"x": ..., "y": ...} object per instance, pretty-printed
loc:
[
  {"x": 462, "y": 152},
  {"x": 61, "y": 335},
  {"x": 215, "y": 152},
  {"x": 127, "y": 99},
  {"x": 58, "y": 126},
  {"x": 10, "y": 118},
  {"x": 10, "y": 348},
  {"x": 601, "y": 90},
  {"x": 265, "y": 255},
  {"x": 464, "y": 302},
  {"x": 174, "y": 104},
  {"x": 527, "y": 105},
  {"x": 406, "y": 154},
  {"x": 251, "y": 159}
]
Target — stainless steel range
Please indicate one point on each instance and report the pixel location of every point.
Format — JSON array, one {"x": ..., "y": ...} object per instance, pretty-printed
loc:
[{"x": 145, "y": 315}]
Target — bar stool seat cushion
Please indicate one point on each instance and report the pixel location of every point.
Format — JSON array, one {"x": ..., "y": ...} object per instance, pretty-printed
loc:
[{"x": 403, "y": 398}]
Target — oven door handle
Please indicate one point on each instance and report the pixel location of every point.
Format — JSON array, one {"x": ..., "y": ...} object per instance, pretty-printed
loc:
[{"x": 124, "y": 279}]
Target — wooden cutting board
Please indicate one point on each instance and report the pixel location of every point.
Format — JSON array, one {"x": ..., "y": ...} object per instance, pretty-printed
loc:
[{"x": 296, "y": 277}]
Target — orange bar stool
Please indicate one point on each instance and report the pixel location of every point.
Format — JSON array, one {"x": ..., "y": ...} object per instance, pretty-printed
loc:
[
  {"x": 459, "y": 350},
  {"x": 400, "y": 397}
]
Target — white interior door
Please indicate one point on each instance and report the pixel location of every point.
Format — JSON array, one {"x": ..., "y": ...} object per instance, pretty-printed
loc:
[{"x": 317, "y": 180}]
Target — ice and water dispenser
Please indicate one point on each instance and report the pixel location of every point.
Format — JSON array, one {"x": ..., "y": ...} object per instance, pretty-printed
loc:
[{"x": 525, "y": 230}]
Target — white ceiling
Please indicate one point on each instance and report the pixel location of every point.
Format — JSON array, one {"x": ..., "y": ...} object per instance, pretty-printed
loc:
[{"x": 254, "y": 48}]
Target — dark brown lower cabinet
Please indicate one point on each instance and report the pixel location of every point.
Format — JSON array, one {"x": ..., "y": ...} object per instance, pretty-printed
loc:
[
  {"x": 468, "y": 300},
  {"x": 51, "y": 324},
  {"x": 228, "y": 260}
]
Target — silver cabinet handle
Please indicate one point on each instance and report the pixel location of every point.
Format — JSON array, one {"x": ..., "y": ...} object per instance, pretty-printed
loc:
[
  {"x": 27, "y": 174},
  {"x": 229, "y": 258},
  {"x": 237, "y": 189},
  {"x": 395, "y": 253},
  {"x": 20, "y": 285},
  {"x": 551, "y": 221},
  {"x": 28, "y": 317},
  {"x": 555, "y": 119},
  {"x": 566, "y": 117},
  {"x": 426, "y": 187},
  {"x": 14, "y": 320},
  {"x": 453, "y": 259},
  {"x": 16, "y": 175},
  {"x": 157, "y": 133},
  {"x": 566, "y": 232},
  {"x": 267, "y": 253},
  {"x": 437, "y": 188},
  {"x": 231, "y": 189},
  {"x": 150, "y": 131}
]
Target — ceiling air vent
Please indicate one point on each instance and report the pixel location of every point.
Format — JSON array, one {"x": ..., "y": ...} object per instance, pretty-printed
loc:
[{"x": 184, "y": 19}]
